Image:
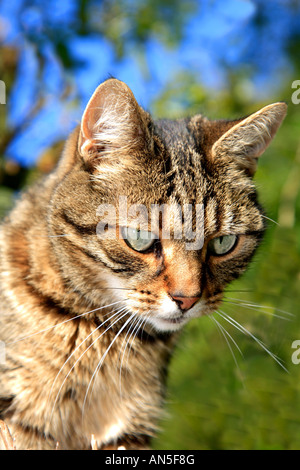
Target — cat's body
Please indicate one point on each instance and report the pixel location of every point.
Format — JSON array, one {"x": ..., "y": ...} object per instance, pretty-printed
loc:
[{"x": 88, "y": 323}]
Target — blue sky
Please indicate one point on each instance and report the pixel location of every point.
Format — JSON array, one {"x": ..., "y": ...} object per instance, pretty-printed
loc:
[{"x": 218, "y": 35}]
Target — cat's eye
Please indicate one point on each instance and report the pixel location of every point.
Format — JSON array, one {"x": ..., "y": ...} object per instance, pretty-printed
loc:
[
  {"x": 138, "y": 240},
  {"x": 222, "y": 245}
]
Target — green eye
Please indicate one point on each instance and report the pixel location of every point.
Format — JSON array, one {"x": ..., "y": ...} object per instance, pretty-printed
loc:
[
  {"x": 222, "y": 245},
  {"x": 138, "y": 240}
]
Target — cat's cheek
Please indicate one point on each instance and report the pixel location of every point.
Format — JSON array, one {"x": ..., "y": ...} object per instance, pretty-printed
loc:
[{"x": 112, "y": 289}]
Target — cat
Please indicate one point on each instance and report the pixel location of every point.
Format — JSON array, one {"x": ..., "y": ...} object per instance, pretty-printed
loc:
[{"x": 91, "y": 308}]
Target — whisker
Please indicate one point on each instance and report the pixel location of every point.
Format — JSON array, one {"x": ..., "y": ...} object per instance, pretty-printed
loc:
[
  {"x": 134, "y": 332},
  {"x": 271, "y": 220},
  {"x": 103, "y": 357},
  {"x": 244, "y": 330},
  {"x": 259, "y": 305},
  {"x": 63, "y": 235},
  {"x": 239, "y": 290},
  {"x": 71, "y": 355},
  {"x": 272, "y": 314},
  {"x": 63, "y": 322},
  {"x": 139, "y": 325},
  {"x": 225, "y": 332},
  {"x": 254, "y": 306},
  {"x": 114, "y": 288},
  {"x": 124, "y": 350},
  {"x": 146, "y": 319}
]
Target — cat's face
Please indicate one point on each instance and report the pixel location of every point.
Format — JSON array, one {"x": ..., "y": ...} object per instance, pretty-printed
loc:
[{"x": 160, "y": 216}]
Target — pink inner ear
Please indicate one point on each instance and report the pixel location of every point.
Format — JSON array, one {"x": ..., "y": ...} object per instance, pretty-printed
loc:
[
  {"x": 87, "y": 146},
  {"x": 113, "y": 124},
  {"x": 90, "y": 118}
]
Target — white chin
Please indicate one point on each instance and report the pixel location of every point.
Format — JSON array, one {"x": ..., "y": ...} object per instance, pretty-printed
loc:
[{"x": 167, "y": 324}]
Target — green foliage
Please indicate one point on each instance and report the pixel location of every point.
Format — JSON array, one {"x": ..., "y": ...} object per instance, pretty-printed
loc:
[{"x": 156, "y": 18}]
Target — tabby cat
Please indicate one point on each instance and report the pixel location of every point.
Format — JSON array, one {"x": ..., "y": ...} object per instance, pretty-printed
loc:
[{"x": 92, "y": 300}]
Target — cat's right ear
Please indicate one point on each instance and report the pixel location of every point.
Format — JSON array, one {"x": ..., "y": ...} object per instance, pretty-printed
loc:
[
  {"x": 113, "y": 125},
  {"x": 249, "y": 138}
]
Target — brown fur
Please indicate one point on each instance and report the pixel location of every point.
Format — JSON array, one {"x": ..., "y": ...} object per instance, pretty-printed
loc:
[{"x": 59, "y": 281}]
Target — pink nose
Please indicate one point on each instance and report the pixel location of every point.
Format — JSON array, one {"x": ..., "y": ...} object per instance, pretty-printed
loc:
[{"x": 184, "y": 303}]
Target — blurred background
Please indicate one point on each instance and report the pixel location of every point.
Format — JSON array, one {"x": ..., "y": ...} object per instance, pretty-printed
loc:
[{"x": 222, "y": 59}]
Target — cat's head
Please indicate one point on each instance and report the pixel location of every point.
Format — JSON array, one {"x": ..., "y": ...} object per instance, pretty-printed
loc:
[{"x": 160, "y": 216}]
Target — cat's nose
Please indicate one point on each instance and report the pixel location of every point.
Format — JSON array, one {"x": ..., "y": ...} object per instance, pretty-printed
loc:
[{"x": 185, "y": 303}]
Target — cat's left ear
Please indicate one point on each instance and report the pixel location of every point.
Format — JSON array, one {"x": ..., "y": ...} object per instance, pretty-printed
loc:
[{"x": 250, "y": 137}]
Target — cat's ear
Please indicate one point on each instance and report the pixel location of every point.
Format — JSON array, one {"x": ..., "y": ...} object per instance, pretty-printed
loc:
[
  {"x": 250, "y": 137},
  {"x": 112, "y": 125}
]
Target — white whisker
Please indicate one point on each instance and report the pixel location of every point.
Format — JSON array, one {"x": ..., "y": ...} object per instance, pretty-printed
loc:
[
  {"x": 65, "y": 321},
  {"x": 271, "y": 220},
  {"x": 121, "y": 315},
  {"x": 63, "y": 235},
  {"x": 244, "y": 330},
  {"x": 130, "y": 329},
  {"x": 133, "y": 334},
  {"x": 103, "y": 357},
  {"x": 254, "y": 306},
  {"x": 226, "y": 333}
]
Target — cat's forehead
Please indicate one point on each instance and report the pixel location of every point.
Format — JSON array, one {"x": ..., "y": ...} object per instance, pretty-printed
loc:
[
  {"x": 185, "y": 159},
  {"x": 174, "y": 132},
  {"x": 180, "y": 170},
  {"x": 197, "y": 133},
  {"x": 179, "y": 141}
]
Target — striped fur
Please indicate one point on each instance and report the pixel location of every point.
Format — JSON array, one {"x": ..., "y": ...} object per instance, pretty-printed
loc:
[{"x": 89, "y": 325}]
